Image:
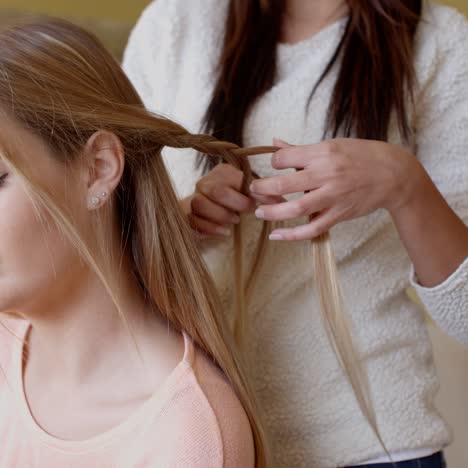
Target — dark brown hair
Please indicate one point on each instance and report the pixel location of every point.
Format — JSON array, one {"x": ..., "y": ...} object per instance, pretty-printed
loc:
[{"x": 376, "y": 49}]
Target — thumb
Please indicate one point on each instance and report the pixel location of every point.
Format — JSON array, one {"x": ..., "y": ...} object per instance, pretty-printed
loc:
[{"x": 280, "y": 143}]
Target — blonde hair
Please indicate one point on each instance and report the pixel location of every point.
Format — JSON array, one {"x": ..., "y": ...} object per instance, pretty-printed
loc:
[{"x": 58, "y": 81}]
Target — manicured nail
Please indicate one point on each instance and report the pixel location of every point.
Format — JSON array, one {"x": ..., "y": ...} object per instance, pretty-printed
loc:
[
  {"x": 223, "y": 231},
  {"x": 251, "y": 188},
  {"x": 259, "y": 213},
  {"x": 276, "y": 237}
]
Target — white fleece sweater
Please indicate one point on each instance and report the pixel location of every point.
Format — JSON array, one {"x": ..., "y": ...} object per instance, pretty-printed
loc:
[{"x": 311, "y": 412}]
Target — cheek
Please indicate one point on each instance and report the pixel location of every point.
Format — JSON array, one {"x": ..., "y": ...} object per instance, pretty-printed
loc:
[{"x": 33, "y": 253}]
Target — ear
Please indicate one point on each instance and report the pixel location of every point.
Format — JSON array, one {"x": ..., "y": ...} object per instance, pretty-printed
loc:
[{"x": 105, "y": 161}]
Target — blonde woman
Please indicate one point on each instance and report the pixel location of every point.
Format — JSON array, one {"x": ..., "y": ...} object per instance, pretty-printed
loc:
[
  {"x": 372, "y": 97},
  {"x": 112, "y": 349}
]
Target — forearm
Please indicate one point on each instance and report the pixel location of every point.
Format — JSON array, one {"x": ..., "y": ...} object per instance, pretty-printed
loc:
[{"x": 435, "y": 238}]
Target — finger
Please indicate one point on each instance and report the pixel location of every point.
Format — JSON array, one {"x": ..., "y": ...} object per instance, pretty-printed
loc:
[
  {"x": 285, "y": 184},
  {"x": 266, "y": 199},
  {"x": 227, "y": 197},
  {"x": 297, "y": 157},
  {"x": 319, "y": 225},
  {"x": 230, "y": 176},
  {"x": 205, "y": 208},
  {"x": 280, "y": 143},
  {"x": 207, "y": 228},
  {"x": 312, "y": 202}
]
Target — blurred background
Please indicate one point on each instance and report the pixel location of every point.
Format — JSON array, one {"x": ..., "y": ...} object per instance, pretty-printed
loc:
[{"x": 112, "y": 21}]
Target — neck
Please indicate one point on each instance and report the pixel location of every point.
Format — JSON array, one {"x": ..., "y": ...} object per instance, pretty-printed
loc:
[
  {"x": 82, "y": 329},
  {"x": 304, "y": 18}
]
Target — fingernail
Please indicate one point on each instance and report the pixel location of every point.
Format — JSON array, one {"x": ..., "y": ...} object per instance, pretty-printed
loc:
[
  {"x": 223, "y": 231},
  {"x": 259, "y": 213},
  {"x": 275, "y": 237},
  {"x": 251, "y": 188}
]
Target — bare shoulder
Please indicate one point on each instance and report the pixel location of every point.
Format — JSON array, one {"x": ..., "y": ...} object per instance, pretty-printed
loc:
[
  {"x": 227, "y": 411},
  {"x": 203, "y": 423}
]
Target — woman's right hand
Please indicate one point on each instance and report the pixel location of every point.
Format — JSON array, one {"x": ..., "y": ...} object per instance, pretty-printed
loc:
[{"x": 218, "y": 202}]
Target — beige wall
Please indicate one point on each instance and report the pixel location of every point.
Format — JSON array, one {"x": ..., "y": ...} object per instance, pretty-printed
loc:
[
  {"x": 122, "y": 10},
  {"x": 460, "y": 4},
  {"x": 452, "y": 359}
]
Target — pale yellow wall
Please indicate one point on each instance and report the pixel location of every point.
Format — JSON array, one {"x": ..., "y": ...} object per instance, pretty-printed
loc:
[
  {"x": 122, "y": 10},
  {"x": 460, "y": 4},
  {"x": 451, "y": 358}
]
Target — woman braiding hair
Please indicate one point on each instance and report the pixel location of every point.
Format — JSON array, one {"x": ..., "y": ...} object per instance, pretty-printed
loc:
[
  {"x": 371, "y": 103},
  {"x": 104, "y": 255}
]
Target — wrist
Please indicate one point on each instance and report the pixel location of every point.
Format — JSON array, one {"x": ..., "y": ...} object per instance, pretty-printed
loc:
[
  {"x": 409, "y": 181},
  {"x": 412, "y": 192}
]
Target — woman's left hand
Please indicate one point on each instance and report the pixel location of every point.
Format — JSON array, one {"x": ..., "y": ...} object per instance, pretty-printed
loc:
[{"x": 343, "y": 179}]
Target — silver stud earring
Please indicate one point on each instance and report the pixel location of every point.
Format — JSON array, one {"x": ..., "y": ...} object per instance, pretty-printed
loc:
[
  {"x": 103, "y": 194},
  {"x": 94, "y": 200}
]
